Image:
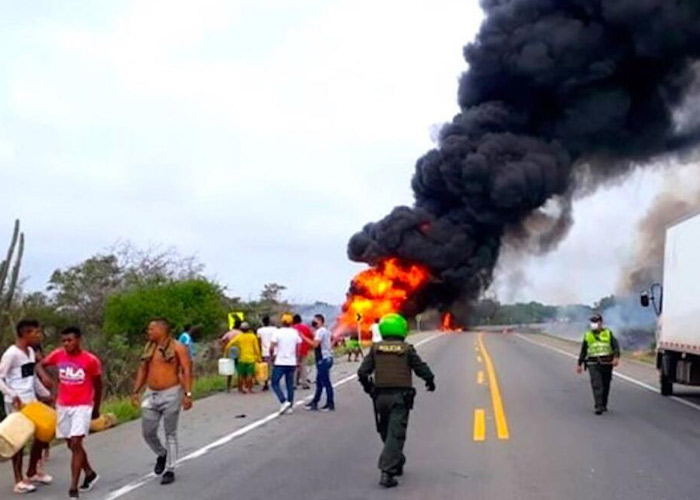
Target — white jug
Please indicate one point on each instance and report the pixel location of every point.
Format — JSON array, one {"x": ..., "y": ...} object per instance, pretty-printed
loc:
[
  {"x": 226, "y": 366},
  {"x": 15, "y": 431}
]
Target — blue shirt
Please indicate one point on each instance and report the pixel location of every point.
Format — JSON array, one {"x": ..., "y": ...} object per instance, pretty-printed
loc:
[{"x": 186, "y": 340}]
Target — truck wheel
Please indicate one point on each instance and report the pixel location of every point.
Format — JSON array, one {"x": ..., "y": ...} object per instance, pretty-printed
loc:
[{"x": 666, "y": 386}]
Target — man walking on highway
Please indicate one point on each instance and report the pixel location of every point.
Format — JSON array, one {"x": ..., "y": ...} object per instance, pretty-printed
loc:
[
  {"x": 249, "y": 354},
  {"x": 186, "y": 338},
  {"x": 19, "y": 385},
  {"x": 302, "y": 378},
  {"x": 324, "y": 363},
  {"x": 600, "y": 352},
  {"x": 229, "y": 351},
  {"x": 165, "y": 370},
  {"x": 77, "y": 403},
  {"x": 265, "y": 334},
  {"x": 284, "y": 349},
  {"x": 392, "y": 361}
]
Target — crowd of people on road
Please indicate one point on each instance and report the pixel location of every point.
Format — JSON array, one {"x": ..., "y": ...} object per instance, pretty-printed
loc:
[
  {"x": 285, "y": 350},
  {"x": 70, "y": 379}
]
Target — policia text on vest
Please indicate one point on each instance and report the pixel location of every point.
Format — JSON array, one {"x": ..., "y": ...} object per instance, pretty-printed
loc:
[
  {"x": 392, "y": 362},
  {"x": 600, "y": 352}
]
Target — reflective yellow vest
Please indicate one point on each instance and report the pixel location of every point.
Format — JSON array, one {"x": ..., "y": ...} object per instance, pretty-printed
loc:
[{"x": 600, "y": 345}]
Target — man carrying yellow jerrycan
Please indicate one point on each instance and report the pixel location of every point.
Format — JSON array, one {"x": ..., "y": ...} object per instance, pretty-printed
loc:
[
  {"x": 250, "y": 366},
  {"x": 78, "y": 401},
  {"x": 26, "y": 416}
]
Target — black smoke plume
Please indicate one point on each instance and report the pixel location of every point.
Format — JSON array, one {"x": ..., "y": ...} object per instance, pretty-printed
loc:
[{"x": 560, "y": 96}]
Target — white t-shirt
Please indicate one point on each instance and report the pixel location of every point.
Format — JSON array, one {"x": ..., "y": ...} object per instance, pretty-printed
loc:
[
  {"x": 286, "y": 340},
  {"x": 17, "y": 375},
  {"x": 376, "y": 335},
  {"x": 265, "y": 334},
  {"x": 323, "y": 335}
]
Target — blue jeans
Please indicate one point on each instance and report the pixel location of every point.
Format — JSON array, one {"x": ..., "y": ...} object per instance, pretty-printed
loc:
[
  {"x": 288, "y": 373},
  {"x": 323, "y": 381}
]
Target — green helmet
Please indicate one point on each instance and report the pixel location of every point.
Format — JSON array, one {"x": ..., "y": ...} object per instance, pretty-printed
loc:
[{"x": 393, "y": 325}]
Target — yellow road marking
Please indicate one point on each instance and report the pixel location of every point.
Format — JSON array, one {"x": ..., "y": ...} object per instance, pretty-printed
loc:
[
  {"x": 479, "y": 425},
  {"x": 480, "y": 377},
  {"x": 499, "y": 412}
]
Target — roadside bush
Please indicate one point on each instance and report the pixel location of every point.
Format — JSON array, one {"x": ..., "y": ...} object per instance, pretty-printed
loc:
[{"x": 185, "y": 302}]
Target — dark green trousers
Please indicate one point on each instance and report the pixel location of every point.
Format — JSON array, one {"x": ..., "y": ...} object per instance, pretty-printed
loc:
[
  {"x": 601, "y": 376},
  {"x": 392, "y": 426}
]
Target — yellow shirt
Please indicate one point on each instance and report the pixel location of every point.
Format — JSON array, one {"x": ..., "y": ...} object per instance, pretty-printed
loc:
[{"x": 248, "y": 346}]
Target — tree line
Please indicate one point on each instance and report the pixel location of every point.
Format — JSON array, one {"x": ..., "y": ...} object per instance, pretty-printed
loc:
[{"x": 112, "y": 295}]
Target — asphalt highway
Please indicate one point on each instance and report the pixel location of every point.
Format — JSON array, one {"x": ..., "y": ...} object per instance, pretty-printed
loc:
[{"x": 509, "y": 420}]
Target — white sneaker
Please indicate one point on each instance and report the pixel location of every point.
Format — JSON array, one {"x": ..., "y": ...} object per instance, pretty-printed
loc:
[
  {"x": 24, "y": 487},
  {"x": 286, "y": 406},
  {"x": 41, "y": 478}
]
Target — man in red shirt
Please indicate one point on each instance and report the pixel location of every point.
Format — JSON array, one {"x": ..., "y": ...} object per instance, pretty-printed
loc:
[
  {"x": 304, "y": 333},
  {"x": 77, "y": 403}
]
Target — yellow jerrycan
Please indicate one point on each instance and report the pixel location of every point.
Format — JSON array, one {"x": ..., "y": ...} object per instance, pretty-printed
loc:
[
  {"x": 43, "y": 417},
  {"x": 262, "y": 372}
]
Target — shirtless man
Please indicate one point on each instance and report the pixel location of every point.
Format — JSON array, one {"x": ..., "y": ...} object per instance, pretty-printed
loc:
[{"x": 165, "y": 370}]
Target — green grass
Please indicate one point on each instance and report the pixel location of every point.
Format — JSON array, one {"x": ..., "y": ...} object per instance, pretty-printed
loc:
[
  {"x": 206, "y": 386},
  {"x": 122, "y": 408}
]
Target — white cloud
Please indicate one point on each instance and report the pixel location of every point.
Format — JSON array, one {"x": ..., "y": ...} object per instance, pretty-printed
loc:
[
  {"x": 258, "y": 134},
  {"x": 255, "y": 134}
]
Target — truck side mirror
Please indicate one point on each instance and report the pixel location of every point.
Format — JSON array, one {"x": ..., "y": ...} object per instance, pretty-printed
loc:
[{"x": 644, "y": 299}]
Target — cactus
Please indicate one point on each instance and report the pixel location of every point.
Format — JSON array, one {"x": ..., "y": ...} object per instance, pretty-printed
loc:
[{"x": 11, "y": 271}]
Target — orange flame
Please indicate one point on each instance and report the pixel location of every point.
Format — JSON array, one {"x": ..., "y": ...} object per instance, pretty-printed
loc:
[
  {"x": 378, "y": 291},
  {"x": 448, "y": 323}
]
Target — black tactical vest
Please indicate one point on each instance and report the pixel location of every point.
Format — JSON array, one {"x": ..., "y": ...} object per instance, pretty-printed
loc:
[{"x": 391, "y": 368}]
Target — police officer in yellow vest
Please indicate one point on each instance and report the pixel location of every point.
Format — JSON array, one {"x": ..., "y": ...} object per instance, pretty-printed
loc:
[
  {"x": 392, "y": 361},
  {"x": 600, "y": 352}
]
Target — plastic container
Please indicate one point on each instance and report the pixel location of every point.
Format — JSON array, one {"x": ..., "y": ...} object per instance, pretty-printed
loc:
[
  {"x": 226, "y": 366},
  {"x": 15, "y": 431},
  {"x": 103, "y": 422},
  {"x": 262, "y": 372},
  {"x": 44, "y": 418}
]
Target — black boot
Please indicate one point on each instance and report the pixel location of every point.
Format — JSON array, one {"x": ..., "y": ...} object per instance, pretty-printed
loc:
[
  {"x": 160, "y": 465},
  {"x": 399, "y": 469},
  {"x": 388, "y": 481},
  {"x": 168, "y": 478}
]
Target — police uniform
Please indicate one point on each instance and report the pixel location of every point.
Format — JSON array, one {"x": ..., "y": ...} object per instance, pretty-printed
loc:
[
  {"x": 598, "y": 352},
  {"x": 393, "y": 361}
]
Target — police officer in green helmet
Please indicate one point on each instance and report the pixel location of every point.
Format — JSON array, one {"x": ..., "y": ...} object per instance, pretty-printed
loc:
[
  {"x": 600, "y": 352},
  {"x": 392, "y": 363}
]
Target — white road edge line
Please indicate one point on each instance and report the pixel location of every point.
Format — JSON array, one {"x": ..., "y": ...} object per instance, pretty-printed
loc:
[
  {"x": 621, "y": 376},
  {"x": 126, "y": 489}
]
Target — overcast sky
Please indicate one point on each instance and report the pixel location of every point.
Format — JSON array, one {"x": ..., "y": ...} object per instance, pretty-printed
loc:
[{"x": 256, "y": 134}]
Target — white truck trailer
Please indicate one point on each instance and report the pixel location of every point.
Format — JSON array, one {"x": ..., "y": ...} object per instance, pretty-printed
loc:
[{"x": 678, "y": 305}]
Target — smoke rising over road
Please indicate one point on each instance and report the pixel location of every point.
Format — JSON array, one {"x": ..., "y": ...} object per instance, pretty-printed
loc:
[{"x": 560, "y": 97}]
